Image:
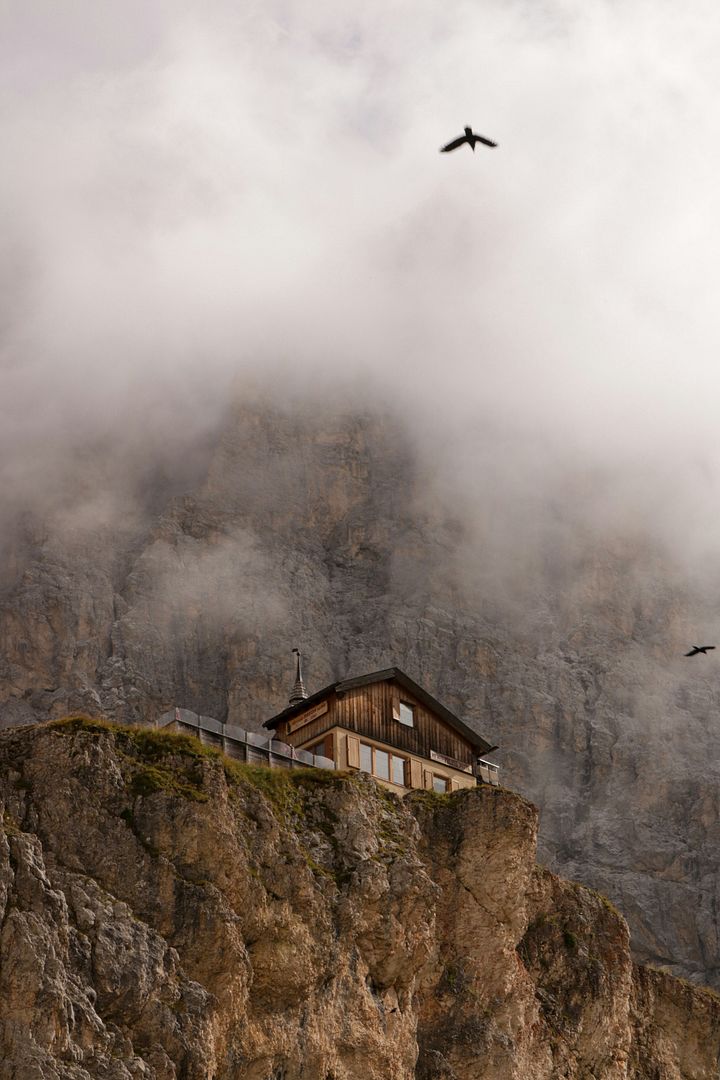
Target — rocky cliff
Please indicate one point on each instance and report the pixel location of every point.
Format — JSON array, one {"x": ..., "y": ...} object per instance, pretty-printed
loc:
[
  {"x": 166, "y": 913},
  {"x": 329, "y": 528}
]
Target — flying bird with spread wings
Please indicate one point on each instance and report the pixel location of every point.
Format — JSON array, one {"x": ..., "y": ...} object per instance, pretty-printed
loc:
[
  {"x": 699, "y": 649},
  {"x": 470, "y": 138}
]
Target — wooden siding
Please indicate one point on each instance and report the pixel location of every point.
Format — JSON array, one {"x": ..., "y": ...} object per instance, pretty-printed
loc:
[
  {"x": 310, "y": 731},
  {"x": 368, "y": 710}
]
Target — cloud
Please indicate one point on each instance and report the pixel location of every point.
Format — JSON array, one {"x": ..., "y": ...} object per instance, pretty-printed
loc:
[
  {"x": 222, "y": 579},
  {"x": 198, "y": 198}
]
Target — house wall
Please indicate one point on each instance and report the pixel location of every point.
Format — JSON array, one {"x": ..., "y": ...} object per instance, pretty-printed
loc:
[
  {"x": 297, "y": 730},
  {"x": 372, "y": 712},
  {"x": 419, "y": 771}
]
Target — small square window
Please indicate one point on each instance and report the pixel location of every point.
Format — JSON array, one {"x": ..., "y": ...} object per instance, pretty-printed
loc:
[
  {"x": 440, "y": 784},
  {"x": 407, "y": 714}
]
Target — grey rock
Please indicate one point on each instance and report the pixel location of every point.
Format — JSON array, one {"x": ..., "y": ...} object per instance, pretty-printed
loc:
[{"x": 316, "y": 528}]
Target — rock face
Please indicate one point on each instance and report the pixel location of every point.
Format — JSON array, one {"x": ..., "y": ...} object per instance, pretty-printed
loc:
[
  {"x": 168, "y": 913},
  {"x": 319, "y": 527}
]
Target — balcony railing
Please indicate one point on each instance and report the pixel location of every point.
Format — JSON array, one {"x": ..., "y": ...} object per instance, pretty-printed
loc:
[
  {"x": 247, "y": 746},
  {"x": 257, "y": 749},
  {"x": 487, "y": 773}
]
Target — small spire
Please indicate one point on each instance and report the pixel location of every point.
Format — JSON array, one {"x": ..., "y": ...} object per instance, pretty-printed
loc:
[{"x": 299, "y": 693}]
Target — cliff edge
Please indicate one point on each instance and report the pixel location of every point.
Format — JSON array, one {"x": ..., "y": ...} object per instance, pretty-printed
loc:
[{"x": 167, "y": 913}]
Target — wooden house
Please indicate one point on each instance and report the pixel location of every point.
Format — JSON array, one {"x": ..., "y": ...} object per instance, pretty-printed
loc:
[{"x": 386, "y": 725}]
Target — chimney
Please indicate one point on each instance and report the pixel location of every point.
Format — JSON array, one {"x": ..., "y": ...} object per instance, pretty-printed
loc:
[{"x": 299, "y": 693}]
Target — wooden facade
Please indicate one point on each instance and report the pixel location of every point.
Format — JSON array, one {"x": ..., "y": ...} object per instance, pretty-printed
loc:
[{"x": 432, "y": 745}]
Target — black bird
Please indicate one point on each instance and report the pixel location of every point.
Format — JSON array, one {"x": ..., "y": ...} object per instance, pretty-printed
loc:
[
  {"x": 470, "y": 138},
  {"x": 699, "y": 649}
]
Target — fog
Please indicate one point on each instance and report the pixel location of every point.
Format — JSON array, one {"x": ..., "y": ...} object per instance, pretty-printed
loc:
[
  {"x": 210, "y": 206},
  {"x": 201, "y": 198}
]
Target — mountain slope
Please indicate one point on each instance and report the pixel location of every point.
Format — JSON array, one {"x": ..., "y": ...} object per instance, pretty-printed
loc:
[
  {"x": 168, "y": 913},
  {"x": 324, "y": 528}
]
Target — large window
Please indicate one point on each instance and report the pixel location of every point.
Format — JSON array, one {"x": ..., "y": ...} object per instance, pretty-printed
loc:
[
  {"x": 382, "y": 764},
  {"x": 407, "y": 714}
]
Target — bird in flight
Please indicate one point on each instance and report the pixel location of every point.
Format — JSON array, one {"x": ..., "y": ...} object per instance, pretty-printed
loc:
[
  {"x": 470, "y": 138},
  {"x": 699, "y": 649}
]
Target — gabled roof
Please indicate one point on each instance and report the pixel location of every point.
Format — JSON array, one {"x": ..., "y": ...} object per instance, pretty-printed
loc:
[{"x": 406, "y": 683}]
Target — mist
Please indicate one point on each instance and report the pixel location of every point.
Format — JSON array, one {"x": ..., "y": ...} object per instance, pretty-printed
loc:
[
  {"x": 275, "y": 372},
  {"x": 198, "y": 203}
]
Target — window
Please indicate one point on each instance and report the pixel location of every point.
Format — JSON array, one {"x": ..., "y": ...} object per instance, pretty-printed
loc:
[
  {"x": 440, "y": 784},
  {"x": 365, "y": 758},
  {"x": 382, "y": 764},
  {"x": 407, "y": 714},
  {"x": 323, "y": 748}
]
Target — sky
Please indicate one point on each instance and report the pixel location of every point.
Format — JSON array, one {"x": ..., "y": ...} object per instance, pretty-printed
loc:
[{"x": 199, "y": 197}]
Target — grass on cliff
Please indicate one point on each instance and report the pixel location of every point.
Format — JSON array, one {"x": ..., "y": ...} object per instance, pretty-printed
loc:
[
  {"x": 148, "y": 743},
  {"x": 160, "y": 760},
  {"x": 281, "y": 787},
  {"x": 602, "y": 899},
  {"x": 171, "y": 762}
]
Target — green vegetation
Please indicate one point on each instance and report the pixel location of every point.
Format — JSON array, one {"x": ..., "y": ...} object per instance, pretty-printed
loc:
[
  {"x": 432, "y": 800},
  {"x": 156, "y": 760},
  {"x": 272, "y": 783},
  {"x": 283, "y": 788},
  {"x": 317, "y": 869},
  {"x": 454, "y": 979},
  {"x": 149, "y": 744},
  {"x": 161, "y": 760},
  {"x": 80, "y": 722},
  {"x": 542, "y": 931},
  {"x": 150, "y": 778},
  {"x": 607, "y": 904},
  {"x": 569, "y": 940},
  {"x": 10, "y": 824}
]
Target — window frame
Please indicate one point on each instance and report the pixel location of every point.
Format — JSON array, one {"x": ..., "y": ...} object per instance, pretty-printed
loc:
[
  {"x": 318, "y": 748},
  {"x": 367, "y": 746},
  {"x": 409, "y": 707},
  {"x": 387, "y": 754},
  {"x": 392, "y": 757}
]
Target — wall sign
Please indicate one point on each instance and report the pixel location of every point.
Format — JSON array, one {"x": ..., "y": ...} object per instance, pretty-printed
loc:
[
  {"x": 306, "y": 717},
  {"x": 451, "y": 761}
]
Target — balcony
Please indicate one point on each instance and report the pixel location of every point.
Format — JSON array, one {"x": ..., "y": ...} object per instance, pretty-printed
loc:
[
  {"x": 487, "y": 773},
  {"x": 248, "y": 746}
]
